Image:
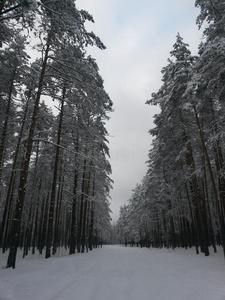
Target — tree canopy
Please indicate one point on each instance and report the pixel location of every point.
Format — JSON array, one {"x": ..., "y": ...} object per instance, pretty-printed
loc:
[
  {"x": 54, "y": 167},
  {"x": 180, "y": 201}
]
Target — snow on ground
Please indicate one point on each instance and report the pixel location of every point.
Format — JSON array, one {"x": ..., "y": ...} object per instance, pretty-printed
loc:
[{"x": 117, "y": 273}]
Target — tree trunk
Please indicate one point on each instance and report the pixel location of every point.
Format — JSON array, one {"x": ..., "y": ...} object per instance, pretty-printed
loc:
[
  {"x": 56, "y": 240},
  {"x": 197, "y": 197},
  {"x": 8, "y": 202},
  {"x": 44, "y": 225},
  {"x": 24, "y": 172},
  {"x": 27, "y": 233},
  {"x": 5, "y": 126},
  {"x": 216, "y": 196},
  {"x": 194, "y": 229},
  {"x": 73, "y": 228},
  {"x": 91, "y": 226},
  {"x": 54, "y": 183},
  {"x": 85, "y": 231}
]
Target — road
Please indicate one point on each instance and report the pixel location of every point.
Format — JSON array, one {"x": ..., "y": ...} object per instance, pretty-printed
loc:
[{"x": 117, "y": 273}]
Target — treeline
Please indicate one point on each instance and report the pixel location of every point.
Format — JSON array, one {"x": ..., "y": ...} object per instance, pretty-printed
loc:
[
  {"x": 54, "y": 170},
  {"x": 181, "y": 200}
]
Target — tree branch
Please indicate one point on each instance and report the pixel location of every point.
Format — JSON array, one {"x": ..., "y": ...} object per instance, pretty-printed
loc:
[{"x": 10, "y": 9}]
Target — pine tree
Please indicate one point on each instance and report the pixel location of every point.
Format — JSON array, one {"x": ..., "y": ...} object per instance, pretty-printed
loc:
[{"x": 57, "y": 31}]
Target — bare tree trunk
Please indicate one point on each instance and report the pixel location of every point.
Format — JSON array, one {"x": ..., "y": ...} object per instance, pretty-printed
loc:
[
  {"x": 8, "y": 202},
  {"x": 194, "y": 229},
  {"x": 27, "y": 233},
  {"x": 208, "y": 215},
  {"x": 24, "y": 172},
  {"x": 84, "y": 231},
  {"x": 36, "y": 228},
  {"x": 197, "y": 199},
  {"x": 82, "y": 206},
  {"x": 57, "y": 210},
  {"x": 44, "y": 225},
  {"x": 5, "y": 126},
  {"x": 73, "y": 228},
  {"x": 91, "y": 227},
  {"x": 216, "y": 196},
  {"x": 54, "y": 183}
]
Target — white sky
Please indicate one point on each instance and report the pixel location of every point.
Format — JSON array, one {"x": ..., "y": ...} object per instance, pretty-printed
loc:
[{"x": 139, "y": 36}]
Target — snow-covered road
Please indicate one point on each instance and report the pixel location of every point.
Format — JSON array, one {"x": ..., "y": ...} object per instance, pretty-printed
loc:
[{"x": 117, "y": 273}]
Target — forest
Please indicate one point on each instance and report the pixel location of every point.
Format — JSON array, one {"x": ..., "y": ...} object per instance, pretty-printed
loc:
[
  {"x": 54, "y": 168},
  {"x": 54, "y": 152},
  {"x": 180, "y": 202}
]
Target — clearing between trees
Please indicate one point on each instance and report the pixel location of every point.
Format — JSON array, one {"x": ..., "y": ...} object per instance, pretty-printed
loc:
[{"x": 117, "y": 273}]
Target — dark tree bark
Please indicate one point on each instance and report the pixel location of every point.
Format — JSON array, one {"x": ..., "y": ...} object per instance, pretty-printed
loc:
[
  {"x": 56, "y": 240},
  {"x": 83, "y": 205},
  {"x": 73, "y": 228},
  {"x": 15, "y": 235},
  {"x": 5, "y": 126},
  {"x": 8, "y": 202},
  {"x": 91, "y": 226},
  {"x": 50, "y": 232},
  {"x": 44, "y": 225},
  {"x": 216, "y": 196}
]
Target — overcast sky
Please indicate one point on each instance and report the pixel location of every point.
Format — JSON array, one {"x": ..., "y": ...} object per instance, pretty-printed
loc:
[{"x": 139, "y": 36}]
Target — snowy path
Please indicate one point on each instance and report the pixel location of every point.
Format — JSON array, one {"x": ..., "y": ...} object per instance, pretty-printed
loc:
[{"x": 117, "y": 273}]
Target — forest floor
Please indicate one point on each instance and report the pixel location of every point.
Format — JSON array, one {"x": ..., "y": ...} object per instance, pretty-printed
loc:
[{"x": 116, "y": 273}]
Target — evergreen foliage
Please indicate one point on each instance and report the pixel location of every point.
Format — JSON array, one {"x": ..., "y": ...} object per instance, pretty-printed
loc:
[
  {"x": 54, "y": 170},
  {"x": 180, "y": 201}
]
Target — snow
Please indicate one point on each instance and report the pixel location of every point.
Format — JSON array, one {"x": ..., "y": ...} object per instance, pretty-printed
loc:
[{"x": 116, "y": 273}]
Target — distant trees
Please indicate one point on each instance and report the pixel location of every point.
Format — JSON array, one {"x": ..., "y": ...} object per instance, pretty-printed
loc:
[
  {"x": 182, "y": 198},
  {"x": 54, "y": 170}
]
